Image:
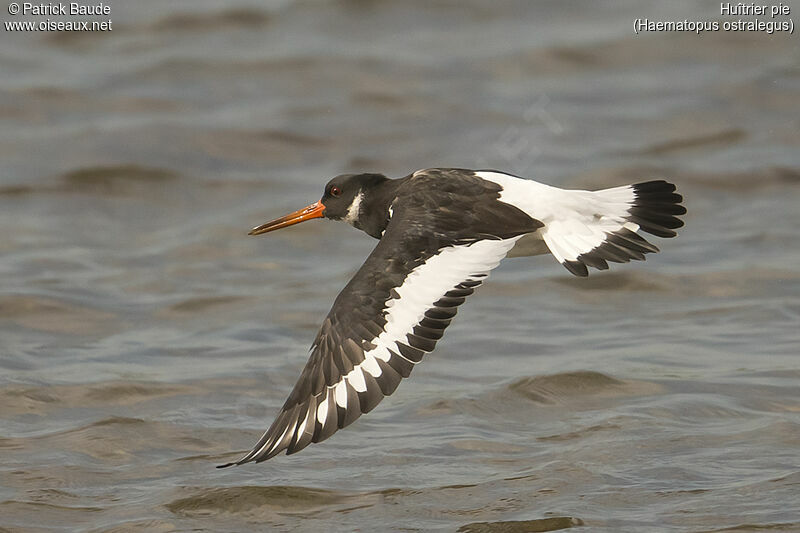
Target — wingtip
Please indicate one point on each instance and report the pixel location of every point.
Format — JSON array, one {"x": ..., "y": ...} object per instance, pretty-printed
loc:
[{"x": 576, "y": 268}]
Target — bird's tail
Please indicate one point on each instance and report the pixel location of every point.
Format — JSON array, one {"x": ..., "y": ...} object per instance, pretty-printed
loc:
[{"x": 594, "y": 227}]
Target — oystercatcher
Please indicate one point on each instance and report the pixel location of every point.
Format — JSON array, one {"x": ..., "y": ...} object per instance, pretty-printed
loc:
[{"x": 441, "y": 231}]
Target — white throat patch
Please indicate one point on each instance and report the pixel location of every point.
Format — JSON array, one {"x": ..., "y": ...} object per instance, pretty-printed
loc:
[{"x": 352, "y": 211}]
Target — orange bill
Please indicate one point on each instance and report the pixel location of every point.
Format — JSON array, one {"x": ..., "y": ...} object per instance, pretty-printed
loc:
[{"x": 314, "y": 210}]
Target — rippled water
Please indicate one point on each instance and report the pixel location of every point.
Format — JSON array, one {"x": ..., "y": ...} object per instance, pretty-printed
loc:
[{"x": 144, "y": 338}]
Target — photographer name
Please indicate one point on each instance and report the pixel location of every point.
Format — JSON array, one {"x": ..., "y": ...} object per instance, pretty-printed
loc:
[{"x": 58, "y": 8}]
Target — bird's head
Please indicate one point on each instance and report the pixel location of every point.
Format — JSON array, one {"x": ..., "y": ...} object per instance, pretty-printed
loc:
[{"x": 345, "y": 198}]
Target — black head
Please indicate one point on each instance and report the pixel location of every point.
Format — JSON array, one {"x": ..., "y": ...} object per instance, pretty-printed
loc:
[
  {"x": 346, "y": 198},
  {"x": 345, "y": 194}
]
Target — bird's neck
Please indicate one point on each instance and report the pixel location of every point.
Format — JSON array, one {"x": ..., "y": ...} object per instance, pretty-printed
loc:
[{"x": 375, "y": 207}]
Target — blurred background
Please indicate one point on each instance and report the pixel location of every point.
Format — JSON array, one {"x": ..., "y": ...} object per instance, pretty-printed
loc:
[{"x": 144, "y": 337}]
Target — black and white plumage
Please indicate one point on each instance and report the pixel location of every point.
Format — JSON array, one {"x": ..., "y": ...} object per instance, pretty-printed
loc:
[{"x": 441, "y": 232}]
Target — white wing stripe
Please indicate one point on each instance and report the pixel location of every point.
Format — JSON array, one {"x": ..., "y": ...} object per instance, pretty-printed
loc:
[
  {"x": 340, "y": 393},
  {"x": 356, "y": 378},
  {"x": 425, "y": 285},
  {"x": 322, "y": 411},
  {"x": 380, "y": 352},
  {"x": 419, "y": 291},
  {"x": 370, "y": 365}
]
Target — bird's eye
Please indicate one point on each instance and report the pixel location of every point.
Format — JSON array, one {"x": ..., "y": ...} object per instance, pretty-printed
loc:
[{"x": 336, "y": 191}]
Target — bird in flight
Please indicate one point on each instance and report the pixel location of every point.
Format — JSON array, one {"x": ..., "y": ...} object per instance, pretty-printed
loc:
[{"x": 440, "y": 232}]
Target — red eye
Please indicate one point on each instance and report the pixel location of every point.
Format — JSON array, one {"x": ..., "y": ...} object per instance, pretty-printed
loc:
[{"x": 336, "y": 191}]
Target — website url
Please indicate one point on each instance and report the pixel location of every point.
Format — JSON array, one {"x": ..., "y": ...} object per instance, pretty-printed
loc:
[{"x": 53, "y": 25}]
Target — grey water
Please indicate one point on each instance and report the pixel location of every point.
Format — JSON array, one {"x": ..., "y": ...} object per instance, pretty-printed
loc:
[{"x": 145, "y": 338}]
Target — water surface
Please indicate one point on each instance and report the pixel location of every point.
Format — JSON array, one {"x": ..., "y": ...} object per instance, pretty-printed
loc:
[{"x": 144, "y": 338}]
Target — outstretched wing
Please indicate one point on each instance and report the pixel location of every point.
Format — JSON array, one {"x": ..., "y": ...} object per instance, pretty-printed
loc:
[{"x": 385, "y": 320}]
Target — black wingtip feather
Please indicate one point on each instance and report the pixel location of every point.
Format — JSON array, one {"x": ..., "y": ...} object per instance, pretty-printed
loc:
[
  {"x": 372, "y": 396},
  {"x": 655, "y": 210},
  {"x": 577, "y": 268},
  {"x": 656, "y": 207},
  {"x": 654, "y": 186},
  {"x": 595, "y": 262},
  {"x": 441, "y": 313},
  {"x": 651, "y": 213},
  {"x": 629, "y": 240},
  {"x": 389, "y": 378},
  {"x": 420, "y": 343},
  {"x": 411, "y": 353},
  {"x": 401, "y": 365}
]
